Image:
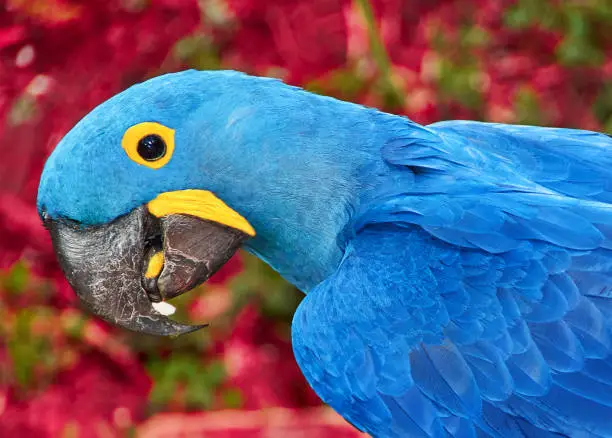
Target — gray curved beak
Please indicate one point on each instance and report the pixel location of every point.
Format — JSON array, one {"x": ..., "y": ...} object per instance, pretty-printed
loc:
[{"x": 106, "y": 264}]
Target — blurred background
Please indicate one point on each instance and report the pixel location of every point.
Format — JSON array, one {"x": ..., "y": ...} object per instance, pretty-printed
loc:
[{"x": 64, "y": 374}]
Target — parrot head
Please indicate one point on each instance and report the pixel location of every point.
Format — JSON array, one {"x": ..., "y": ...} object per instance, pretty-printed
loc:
[{"x": 156, "y": 188}]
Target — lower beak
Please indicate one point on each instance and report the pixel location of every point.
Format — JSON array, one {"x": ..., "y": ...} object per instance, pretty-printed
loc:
[{"x": 119, "y": 269}]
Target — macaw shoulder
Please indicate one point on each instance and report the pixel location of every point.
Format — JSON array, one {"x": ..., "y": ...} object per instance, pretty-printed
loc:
[{"x": 487, "y": 186}]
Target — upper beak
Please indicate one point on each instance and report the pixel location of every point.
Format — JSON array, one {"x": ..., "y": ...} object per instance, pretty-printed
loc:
[{"x": 153, "y": 253}]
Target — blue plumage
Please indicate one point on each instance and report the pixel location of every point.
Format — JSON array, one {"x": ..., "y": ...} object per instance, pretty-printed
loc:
[
  {"x": 526, "y": 337},
  {"x": 458, "y": 276}
]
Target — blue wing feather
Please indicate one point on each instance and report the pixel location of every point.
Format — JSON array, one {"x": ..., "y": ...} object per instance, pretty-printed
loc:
[
  {"x": 476, "y": 298},
  {"x": 560, "y": 347}
]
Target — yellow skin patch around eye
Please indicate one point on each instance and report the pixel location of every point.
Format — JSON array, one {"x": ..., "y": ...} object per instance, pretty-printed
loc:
[
  {"x": 156, "y": 263},
  {"x": 135, "y": 133},
  {"x": 199, "y": 203}
]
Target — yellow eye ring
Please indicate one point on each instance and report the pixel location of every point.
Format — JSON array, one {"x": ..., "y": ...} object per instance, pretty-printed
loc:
[{"x": 149, "y": 144}]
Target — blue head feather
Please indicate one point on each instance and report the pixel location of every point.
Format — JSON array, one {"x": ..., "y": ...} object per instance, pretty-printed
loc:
[{"x": 291, "y": 162}]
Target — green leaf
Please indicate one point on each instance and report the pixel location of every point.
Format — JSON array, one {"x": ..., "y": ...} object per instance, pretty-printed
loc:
[
  {"x": 215, "y": 372},
  {"x": 260, "y": 283},
  {"x": 198, "y": 51},
  {"x": 24, "y": 109},
  {"x": 575, "y": 51},
  {"x": 199, "y": 381},
  {"x": 527, "y": 107},
  {"x": 527, "y": 13},
  {"x": 17, "y": 278},
  {"x": 232, "y": 398},
  {"x": 344, "y": 84},
  {"x": 393, "y": 98},
  {"x": 28, "y": 351},
  {"x": 603, "y": 105}
]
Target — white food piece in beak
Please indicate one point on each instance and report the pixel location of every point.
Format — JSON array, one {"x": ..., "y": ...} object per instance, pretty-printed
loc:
[{"x": 164, "y": 308}]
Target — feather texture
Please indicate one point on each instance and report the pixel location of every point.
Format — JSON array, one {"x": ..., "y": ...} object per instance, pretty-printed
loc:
[{"x": 489, "y": 277}]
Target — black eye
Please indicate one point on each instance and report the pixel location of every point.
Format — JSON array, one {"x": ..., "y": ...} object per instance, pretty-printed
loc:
[{"x": 151, "y": 147}]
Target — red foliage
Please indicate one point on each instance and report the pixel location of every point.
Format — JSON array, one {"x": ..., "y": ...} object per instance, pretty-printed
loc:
[
  {"x": 260, "y": 363},
  {"x": 91, "y": 396},
  {"x": 306, "y": 38}
]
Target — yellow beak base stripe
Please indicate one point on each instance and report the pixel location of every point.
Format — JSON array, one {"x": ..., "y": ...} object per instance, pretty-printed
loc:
[{"x": 199, "y": 203}]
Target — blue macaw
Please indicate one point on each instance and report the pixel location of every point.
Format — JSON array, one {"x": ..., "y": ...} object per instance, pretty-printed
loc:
[{"x": 458, "y": 276}]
